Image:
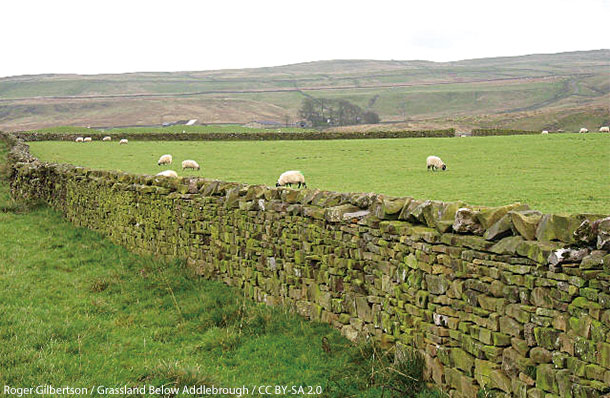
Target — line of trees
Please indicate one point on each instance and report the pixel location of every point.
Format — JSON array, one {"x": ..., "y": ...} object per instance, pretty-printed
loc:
[{"x": 334, "y": 112}]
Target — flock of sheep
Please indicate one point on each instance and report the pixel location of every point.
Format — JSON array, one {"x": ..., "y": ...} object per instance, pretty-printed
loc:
[
  {"x": 583, "y": 130},
  {"x": 290, "y": 177},
  {"x": 287, "y": 178},
  {"x": 106, "y": 138}
]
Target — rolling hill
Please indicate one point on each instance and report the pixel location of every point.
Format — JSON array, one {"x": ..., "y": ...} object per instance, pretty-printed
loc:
[{"x": 557, "y": 91}]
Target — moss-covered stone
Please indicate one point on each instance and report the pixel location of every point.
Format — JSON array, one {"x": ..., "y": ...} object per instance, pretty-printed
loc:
[
  {"x": 545, "y": 379},
  {"x": 499, "y": 229},
  {"x": 489, "y": 217},
  {"x": 436, "y": 284},
  {"x": 507, "y": 245},
  {"x": 489, "y": 375},
  {"x": 388, "y": 208},
  {"x": 547, "y": 337},
  {"x": 461, "y": 360},
  {"x": 558, "y": 227},
  {"x": 525, "y": 222}
]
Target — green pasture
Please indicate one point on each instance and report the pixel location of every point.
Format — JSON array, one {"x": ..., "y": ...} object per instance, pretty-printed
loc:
[{"x": 553, "y": 173}]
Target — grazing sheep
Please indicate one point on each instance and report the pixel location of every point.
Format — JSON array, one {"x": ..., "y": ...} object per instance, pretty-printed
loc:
[
  {"x": 87, "y": 139},
  {"x": 79, "y": 139},
  {"x": 604, "y": 129},
  {"x": 165, "y": 159},
  {"x": 190, "y": 164},
  {"x": 107, "y": 138},
  {"x": 583, "y": 130},
  {"x": 544, "y": 132},
  {"x": 123, "y": 141},
  {"x": 463, "y": 135},
  {"x": 434, "y": 162},
  {"x": 168, "y": 173},
  {"x": 291, "y": 177}
]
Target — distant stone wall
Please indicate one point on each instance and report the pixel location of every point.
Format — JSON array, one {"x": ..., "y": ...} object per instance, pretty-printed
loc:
[
  {"x": 487, "y": 132},
  {"x": 504, "y": 298},
  {"x": 249, "y": 136}
]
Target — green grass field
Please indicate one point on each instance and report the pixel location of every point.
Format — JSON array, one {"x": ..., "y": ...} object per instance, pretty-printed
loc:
[
  {"x": 77, "y": 310},
  {"x": 558, "y": 173}
]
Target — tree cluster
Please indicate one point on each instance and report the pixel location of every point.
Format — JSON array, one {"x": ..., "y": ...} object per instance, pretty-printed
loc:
[{"x": 335, "y": 112}]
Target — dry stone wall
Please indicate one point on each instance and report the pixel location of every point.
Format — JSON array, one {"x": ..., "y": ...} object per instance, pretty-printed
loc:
[
  {"x": 245, "y": 136},
  {"x": 505, "y": 298}
]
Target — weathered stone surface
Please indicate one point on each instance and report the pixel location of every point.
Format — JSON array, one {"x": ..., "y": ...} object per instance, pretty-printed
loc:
[
  {"x": 466, "y": 222},
  {"x": 584, "y": 234},
  {"x": 500, "y": 229},
  {"x": 386, "y": 208},
  {"x": 525, "y": 222},
  {"x": 566, "y": 255},
  {"x": 489, "y": 217},
  {"x": 362, "y": 200},
  {"x": 541, "y": 297},
  {"x": 602, "y": 227},
  {"x": 558, "y": 227},
  {"x": 537, "y": 251},
  {"x": 464, "y": 385},
  {"x": 436, "y": 284},
  {"x": 336, "y": 213},
  {"x": 507, "y": 245},
  {"x": 595, "y": 260},
  {"x": 489, "y": 375},
  {"x": 462, "y": 360},
  {"x": 547, "y": 338},
  {"x": 355, "y": 216},
  {"x": 407, "y": 212},
  {"x": 545, "y": 379},
  {"x": 541, "y": 355}
]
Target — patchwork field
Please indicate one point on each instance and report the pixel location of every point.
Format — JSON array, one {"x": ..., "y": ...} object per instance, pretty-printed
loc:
[
  {"x": 554, "y": 173},
  {"x": 532, "y": 91}
]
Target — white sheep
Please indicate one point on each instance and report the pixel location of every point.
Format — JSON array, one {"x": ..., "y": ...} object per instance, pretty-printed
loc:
[
  {"x": 604, "y": 129},
  {"x": 168, "y": 173},
  {"x": 123, "y": 141},
  {"x": 87, "y": 139},
  {"x": 434, "y": 162},
  {"x": 583, "y": 130},
  {"x": 291, "y": 177},
  {"x": 190, "y": 164},
  {"x": 544, "y": 132},
  {"x": 79, "y": 139},
  {"x": 107, "y": 138},
  {"x": 165, "y": 159}
]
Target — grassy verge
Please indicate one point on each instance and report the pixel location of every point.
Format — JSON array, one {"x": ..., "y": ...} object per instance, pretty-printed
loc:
[
  {"x": 552, "y": 173},
  {"x": 76, "y": 310}
]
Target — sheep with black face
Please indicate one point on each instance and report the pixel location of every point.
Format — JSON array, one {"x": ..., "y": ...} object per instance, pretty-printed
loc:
[{"x": 291, "y": 177}]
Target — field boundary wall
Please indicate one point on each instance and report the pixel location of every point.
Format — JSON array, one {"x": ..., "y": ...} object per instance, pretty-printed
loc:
[
  {"x": 504, "y": 300},
  {"x": 489, "y": 132},
  {"x": 249, "y": 136}
]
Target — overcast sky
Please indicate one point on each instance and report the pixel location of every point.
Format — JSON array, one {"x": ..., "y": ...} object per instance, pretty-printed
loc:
[{"x": 91, "y": 36}]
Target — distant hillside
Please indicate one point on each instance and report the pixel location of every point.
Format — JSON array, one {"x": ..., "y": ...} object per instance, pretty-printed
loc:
[{"x": 530, "y": 91}]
